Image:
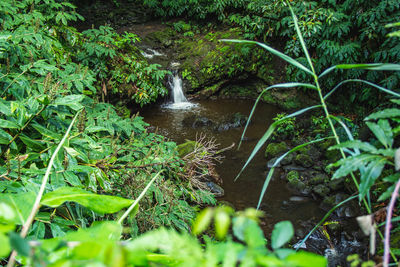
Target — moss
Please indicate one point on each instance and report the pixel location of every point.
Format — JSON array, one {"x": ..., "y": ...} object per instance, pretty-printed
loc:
[
  {"x": 304, "y": 160},
  {"x": 293, "y": 178},
  {"x": 186, "y": 148},
  {"x": 275, "y": 149}
]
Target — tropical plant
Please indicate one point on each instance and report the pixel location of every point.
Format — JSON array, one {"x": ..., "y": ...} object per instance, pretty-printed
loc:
[{"x": 370, "y": 164}]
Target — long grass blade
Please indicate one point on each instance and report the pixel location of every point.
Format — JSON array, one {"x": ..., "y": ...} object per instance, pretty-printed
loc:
[
  {"x": 273, "y": 51},
  {"x": 300, "y": 35},
  {"x": 365, "y": 66},
  {"x": 361, "y": 81},
  {"x": 269, "y": 132},
  {"x": 281, "y": 85},
  {"x": 277, "y": 161},
  {"x": 323, "y": 220},
  {"x": 265, "y": 186}
]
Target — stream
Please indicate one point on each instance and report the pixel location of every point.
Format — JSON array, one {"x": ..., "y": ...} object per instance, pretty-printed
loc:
[{"x": 279, "y": 202}]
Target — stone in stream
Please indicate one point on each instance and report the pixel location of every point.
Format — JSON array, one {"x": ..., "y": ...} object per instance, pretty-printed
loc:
[
  {"x": 217, "y": 190},
  {"x": 195, "y": 121},
  {"x": 275, "y": 150},
  {"x": 232, "y": 121}
]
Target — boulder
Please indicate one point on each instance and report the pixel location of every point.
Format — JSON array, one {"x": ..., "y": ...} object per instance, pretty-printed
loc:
[
  {"x": 275, "y": 150},
  {"x": 304, "y": 160}
]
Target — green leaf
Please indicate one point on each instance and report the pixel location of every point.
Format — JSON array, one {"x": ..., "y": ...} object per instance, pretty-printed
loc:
[
  {"x": 32, "y": 144},
  {"x": 222, "y": 222},
  {"x": 70, "y": 100},
  {"x": 202, "y": 221},
  {"x": 306, "y": 259},
  {"x": 98, "y": 203},
  {"x": 365, "y": 146},
  {"x": 362, "y": 81},
  {"x": 372, "y": 66},
  {"x": 21, "y": 204},
  {"x": 384, "y": 114},
  {"x": 282, "y": 233},
  {"x": 5, "y": 137},
  {"x": 46, "y": 132},
  {"x": 8, "y": 124},
  {"x": 352, "y": 163},
  {"x": 382, "y": 131},
  {"x": 370, "y": 174},
  {"x": 5, "y": 247},
  {"x": 19, "y": 244}
]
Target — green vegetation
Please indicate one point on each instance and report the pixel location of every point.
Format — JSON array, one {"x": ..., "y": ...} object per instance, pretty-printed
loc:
[
  {"x": 369, "y": 160},
  {"x": 85, "y": 184},
  {"x": 335, "y": 32}
]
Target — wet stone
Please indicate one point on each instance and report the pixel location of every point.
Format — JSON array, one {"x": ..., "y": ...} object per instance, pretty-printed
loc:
[
  {"x": 304, "y": 160},
  {"x": 321, "y": 190}
]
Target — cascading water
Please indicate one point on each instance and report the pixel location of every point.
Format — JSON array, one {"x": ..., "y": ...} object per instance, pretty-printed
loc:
[{"x": 178, "y": 97}]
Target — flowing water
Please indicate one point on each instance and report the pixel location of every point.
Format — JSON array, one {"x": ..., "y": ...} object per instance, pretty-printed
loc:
[{"x": 279, "y": 202}]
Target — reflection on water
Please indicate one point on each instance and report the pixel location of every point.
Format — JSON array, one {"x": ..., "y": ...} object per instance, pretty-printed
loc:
[{"x": 277, "y": 203}]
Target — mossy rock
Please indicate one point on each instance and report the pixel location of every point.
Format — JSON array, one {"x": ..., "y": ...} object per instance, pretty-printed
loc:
[
  {"x": 304, "y": 160},
  {"x": 321, "y": 190},
  {"x": 186, "y": 148},
  {"x": 294, "y": 180},
  {"x": 319, "y": 178},
  {"x": 275, "y": 150}
]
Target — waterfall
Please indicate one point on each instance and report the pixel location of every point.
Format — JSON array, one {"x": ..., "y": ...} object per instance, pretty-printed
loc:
[
  {"x": 177, "y": 92},
  {"x": 178, "y": 97}
]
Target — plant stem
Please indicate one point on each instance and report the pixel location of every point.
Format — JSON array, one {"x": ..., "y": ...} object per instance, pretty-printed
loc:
[
  {"x": 39, "y": 196},
  {"x": 389, "y": 224}
]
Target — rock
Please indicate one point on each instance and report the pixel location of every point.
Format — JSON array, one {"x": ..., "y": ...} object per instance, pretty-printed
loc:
[
  {"x": 233, "y": 121},
  {"x": 321, "y": 190},
  {"x": 294, "y": 168},
  {"x": 196, "y": 121},
  {"x": 275, "y": 150},
  {"x": 293, "y": 178},
  {"x": 298, "y": 199},
  {"x": 186, "y": 148},
  {"x": 336, "y": 184},
  {"x": 332, "y": 155},
  {"x": 304, "y": 160},
  {"x": 319, "y": 178},
  {"x": 287, "y": 160},
  {"x": 217, "y": 190}
]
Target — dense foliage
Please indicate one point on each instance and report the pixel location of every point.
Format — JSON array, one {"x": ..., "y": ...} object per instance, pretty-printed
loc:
[
  {"x": 335, "y": 32},
  {"x": 52, "y": 76}
]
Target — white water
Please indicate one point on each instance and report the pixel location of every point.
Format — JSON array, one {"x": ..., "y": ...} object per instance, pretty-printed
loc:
[
  {"x": 150, "y": 53},
  {"x": 178, "y": 97}
]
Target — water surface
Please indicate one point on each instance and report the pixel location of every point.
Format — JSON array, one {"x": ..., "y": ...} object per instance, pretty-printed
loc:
[{"x": 246, "y": 190}]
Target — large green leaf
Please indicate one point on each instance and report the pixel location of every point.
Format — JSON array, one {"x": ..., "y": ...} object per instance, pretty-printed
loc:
[
  {"x": 382, "y": 131},
  {"x": 8, "y": 124},
  {"x": 384, "y": 114},
  {"x": 352, "y": 163},
  {"x": 98, "y": 203},
  {"x": 370, "y": 174},
  {"x": 282, "y": 233},
  {"x": 21, "y": 204}
]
